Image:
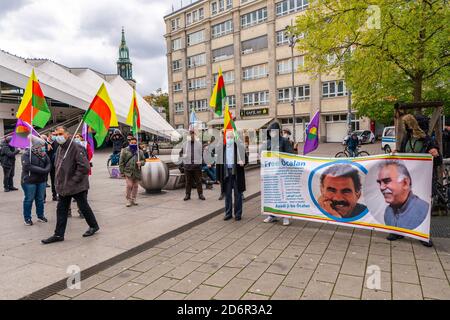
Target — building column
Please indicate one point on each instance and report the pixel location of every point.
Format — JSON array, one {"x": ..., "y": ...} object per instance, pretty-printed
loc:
[
  {"x": 208, "y": 59},
  {"x": 185, "y": 80},
  {"x": 237, "y": 62},
  {"x": 316, "y": 105},
  {"x": 272, "y": 62}
]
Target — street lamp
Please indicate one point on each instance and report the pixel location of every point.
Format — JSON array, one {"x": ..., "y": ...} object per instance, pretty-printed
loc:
[{"x": 292, "y": 40}]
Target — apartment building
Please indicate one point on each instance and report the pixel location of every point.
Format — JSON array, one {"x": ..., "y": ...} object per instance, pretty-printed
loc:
[{"x": 247, "y": 39}]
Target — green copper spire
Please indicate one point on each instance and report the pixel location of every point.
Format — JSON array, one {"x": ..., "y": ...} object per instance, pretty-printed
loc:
[{"x": 124, "y": 65}]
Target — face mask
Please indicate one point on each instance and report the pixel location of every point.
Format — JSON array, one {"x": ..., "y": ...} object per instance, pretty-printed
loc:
[
  {"x": 230, "y": 141},
  {"x": 77, "y": 140},
  {"x": 286, "y": 135},
  {"x": 133, "y": 147},
  {"x": 43, "y": 149},
  {"x": 53, "y": 138},
  {"x": 60, "y": 139}
]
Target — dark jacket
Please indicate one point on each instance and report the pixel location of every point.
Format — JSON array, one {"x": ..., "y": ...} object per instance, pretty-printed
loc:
[
  {"x": 240, "y": 155},
  {"x": 71, "y": 175},
  {"x": 446, "y": 143},
  {"x": 352, "y": 144},
  {"x": 192, "y": 150},
  {"x": 36, "y": 171},
  {"x": 117, "y": 140},
  {"x": 284, "y": 144},
  {"x": 127, "y": 163},
  {"x": 8, "y": 155},
  {"x": 52, "y": 153}
]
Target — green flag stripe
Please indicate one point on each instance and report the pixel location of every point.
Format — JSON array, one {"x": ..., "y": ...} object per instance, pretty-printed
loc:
[{"x": 92, "y": 119}]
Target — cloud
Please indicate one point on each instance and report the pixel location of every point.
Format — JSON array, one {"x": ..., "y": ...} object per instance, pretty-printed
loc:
[{"x": 86, "y": 33}]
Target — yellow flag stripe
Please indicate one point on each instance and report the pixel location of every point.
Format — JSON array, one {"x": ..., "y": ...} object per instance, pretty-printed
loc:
[{"x": 103, "y": 94}]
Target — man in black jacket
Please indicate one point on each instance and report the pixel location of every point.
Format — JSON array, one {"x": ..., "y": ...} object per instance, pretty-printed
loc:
[
  {"x": 35, "y": 168},
  {"x": 192, "y": 158},
  {"x": 52, "y": 148},
  {"x": 8, "y": 162}
]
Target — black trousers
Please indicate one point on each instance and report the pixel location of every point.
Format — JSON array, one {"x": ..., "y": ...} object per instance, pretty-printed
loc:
[
  {"x": 193, "y": 176},
  {"x": 231, "y": 188},
  {"x": 62, "y": 211},
  {"x": 52, "y": 179},
  {"x": 8, "y": 175}
]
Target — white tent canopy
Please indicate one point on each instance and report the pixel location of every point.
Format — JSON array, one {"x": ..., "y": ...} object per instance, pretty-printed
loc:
[{"x": 78, "y": 86}]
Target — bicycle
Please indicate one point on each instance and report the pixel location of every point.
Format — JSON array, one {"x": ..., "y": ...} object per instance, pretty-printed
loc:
[{"x": 346, "y": 153}]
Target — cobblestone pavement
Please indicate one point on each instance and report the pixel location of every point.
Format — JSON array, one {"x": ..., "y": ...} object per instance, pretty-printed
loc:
[{"x": 253, "y": 260}]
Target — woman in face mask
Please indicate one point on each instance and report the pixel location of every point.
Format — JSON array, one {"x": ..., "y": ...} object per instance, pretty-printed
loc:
[
  {"x": 35, "y": 168},
  {"x": 131, "y": 160}
]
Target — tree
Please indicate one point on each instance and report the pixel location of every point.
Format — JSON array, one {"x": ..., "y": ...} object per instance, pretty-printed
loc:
[
  {"x": 159, "y": 99},
  {"x": 387, "y": 51}
]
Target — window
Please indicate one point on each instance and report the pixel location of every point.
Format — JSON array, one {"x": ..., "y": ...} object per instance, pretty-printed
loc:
[
  {"x": 222, "y": 29},
  {"x": 196, "y": 61},
  {"x": 177, "y": 87},
  {"x": 254, "y": 45},
  {"x": 198, "y": 105},
  {"x": 333, "y": 89},
  {"x": 253, "y": 18},
  {"x": 285, "y": 66},
  {"x": 175, "y": 24},
  {"x": 232, "y": 101},
  {"x": 228, "y": 77},
  {"x": 197, "y": 83},
  {"x": 302, "y": 93},
  {"x": 176, "y": 65},
  {"x": 255, "y": 72},
  {"x": 221, "y": 6},
  {"x": 195, "y": 37},
  {"x": 256, "y": 98},
  {"x": 179, "y": 108},
  {"x": 290, "y": 6},
  {"x": 194, "y": 16},
  {"x": 336, "y": 118},
  {"x": 223, "y": 53},
  {"x": 282, "y": 38},
  {"x": 176, "y": 44}
]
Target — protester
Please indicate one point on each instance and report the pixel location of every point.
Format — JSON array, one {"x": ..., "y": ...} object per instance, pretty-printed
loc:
[
  {"x": 231, "y": 173},
  {"x": 8, "y": 162},
  {"x": 130, "y": 163},
  {"x": 52, "y": 148},
  {"x": 72, "y": 169},
  {"x": 127, "y": 142},
  {"x": 36, "y": 166},
  {"x": 192, "y": 158},
  {"x": 287, "y": 135},
  {"x": 275, "y": 142},
  {"x": 117, "y": 140},
  {"x": 144, "y": 148},
  {"x": 352, "y": 145},
  {"x": 90, "y": 153}
]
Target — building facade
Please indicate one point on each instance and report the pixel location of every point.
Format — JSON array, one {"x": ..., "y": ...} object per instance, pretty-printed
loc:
[{"x": 247, "y": 39}]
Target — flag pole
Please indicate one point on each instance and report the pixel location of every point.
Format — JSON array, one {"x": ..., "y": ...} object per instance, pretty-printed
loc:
[{"x": 71, "y": 140}]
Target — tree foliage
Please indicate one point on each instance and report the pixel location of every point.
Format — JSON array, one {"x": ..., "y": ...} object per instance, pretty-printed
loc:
[
  {"x": 386, "y": 50},
  {"x": 159, "y": 99}
]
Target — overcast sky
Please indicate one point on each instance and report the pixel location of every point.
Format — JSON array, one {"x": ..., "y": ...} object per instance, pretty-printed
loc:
[{"x": 87, "y": 33}]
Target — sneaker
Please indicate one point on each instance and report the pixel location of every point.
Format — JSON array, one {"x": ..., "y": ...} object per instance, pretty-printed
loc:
[
  {"x": 43, "y": 220},
  {"x": 129, "y": 203},
  {"x": 134, "y": 203},
  {"x": 28, "y": 222},
  {"x": 286, "y": 222},
  {"x": 270, "y": 219}
]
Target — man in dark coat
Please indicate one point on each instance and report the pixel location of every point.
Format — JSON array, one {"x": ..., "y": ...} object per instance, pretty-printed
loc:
[
  {"x": 231, "y": 159},
  {"x": 72, "y": 181},
  {"x": 192, "y": 157},
  {"x": 52, "y": 148},
  {"x": 8, "y": 162}
]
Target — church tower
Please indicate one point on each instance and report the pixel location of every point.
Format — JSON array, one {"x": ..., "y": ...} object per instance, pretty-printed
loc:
[{"x": 124, "y": 65}]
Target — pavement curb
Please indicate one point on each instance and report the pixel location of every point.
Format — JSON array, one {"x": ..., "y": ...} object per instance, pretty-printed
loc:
[{"x": 58, "y": 286}]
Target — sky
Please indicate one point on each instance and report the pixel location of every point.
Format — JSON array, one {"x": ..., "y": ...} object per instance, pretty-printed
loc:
[{"x": 87, "y": 33}]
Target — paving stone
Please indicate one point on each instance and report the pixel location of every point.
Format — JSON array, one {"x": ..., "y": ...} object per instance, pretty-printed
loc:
[
  {"x": 293, "y": 252},
  {"x": 403, "y": 257},
  {"x": 317, "y": 290},
  {"x": 326, "y": 272},
  {"x": 234, "y": 290},
  {"x": 183, "y": 270},
  {"x": 148, "y": 264},
  {"x": 241, "y": 260},
  {"x": 338, "y": 297},
  {"x": 308, "y": 261},
  {"x": 154, "y": 273},
  {"x": 282, "y": 266},
  {"x": 223, "y": 243},
  {"x": 94, "y": 294},
  {"x": 339, "y": 244},
  {"x": 170, "y": 295},
  {"x": 180, "y": 258},
  {"x": 126, "y": 291},
  {"x": 268, "y": 255},
  {"x": 267, "y": 284},
  {"x": 360, "y": 240},
  {"x": 357, "y": 252},
  {"x": 298, "y": 278},
  {"x": 192, "y": 281},
  {"x": 203, "y": 292},
  {"x": 85, "y": 285},
  {"x": 222, "y": 276},
  {"x": 155, "y": 289},
  {"x": 405, "y": 273},
  {"x": 385, "y": 282},
  {"x": 205, "y": 255},
  {"x": 423, "y": 253},
  {"x": 406, "y": 291},
  {"x": 118, "y": 280},
  {"x": 349, "y": 286},
  {"x": 435, "y": 288},
  {"x": 431, "y": 269},
  {"x": 369, "y": 294},
  {"x": 333, "y": 257},
  {"x": 252, "y": 296},
  {"x": 402, "y": 245},
  {"x": 287, "y": 293},
  {"x": 381, "y": 249},
  {"x": 316, "y": 248},
  {"x": 253, "y": 271},
  {"x": 57, "y": 297},
  {"x": 383, "y": 262},
  {"x": 355, "y": 267}
]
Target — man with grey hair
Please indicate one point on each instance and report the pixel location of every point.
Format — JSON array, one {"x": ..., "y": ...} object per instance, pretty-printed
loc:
[
  {"x": 405, "y": 209},
  {"x": 340, "y": 187}
]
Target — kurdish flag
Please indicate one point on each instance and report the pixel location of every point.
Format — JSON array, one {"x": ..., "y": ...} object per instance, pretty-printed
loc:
[
  {"x": 312, "y": 135},
  {"x": 21, "y": 135},
  {"x": 134, "y": 119},
  {"x": 101, "y": 115},
  {"x": 34, "y": 109},
  {"x": 218, "y": 95},
  {"x": 86, "y": 132},
  {"x": 228, "y": 124}
]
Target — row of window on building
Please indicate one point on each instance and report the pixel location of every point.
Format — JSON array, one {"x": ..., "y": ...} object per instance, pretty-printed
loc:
[
  {"x": 261, "y": 98},
  {"x": 247, "y": 20}
]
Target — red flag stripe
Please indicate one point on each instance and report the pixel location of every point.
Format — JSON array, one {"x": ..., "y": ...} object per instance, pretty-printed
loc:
[{"x": 101, "y": 109}]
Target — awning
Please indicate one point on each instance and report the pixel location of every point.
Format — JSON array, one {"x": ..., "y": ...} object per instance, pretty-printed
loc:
[{"x": 253, "y": 124}]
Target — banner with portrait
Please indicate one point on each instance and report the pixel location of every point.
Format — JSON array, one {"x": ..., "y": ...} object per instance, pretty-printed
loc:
[{"x": 388, "y": 193}]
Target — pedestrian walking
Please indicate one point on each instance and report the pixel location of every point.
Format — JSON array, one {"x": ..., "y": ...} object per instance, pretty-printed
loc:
[
  {"x": 36, "y": 166},
  {"x": 72, "y": 170},
  {"x": 192, "y": 158},
  {"x": 130, "y": 163},
  {"x": 8, "y": 163}
]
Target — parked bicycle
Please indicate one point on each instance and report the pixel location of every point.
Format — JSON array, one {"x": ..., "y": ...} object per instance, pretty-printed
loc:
[{"x": 346, "y": 153}]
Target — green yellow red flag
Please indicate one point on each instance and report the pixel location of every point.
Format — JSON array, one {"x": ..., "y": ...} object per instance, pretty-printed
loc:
[
  {"x": 218, "y": 95},
  {"x": 134, "y": 118}
]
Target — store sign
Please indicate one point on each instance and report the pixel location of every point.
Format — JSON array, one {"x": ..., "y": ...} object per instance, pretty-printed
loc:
[{"x": 254, "y": 112}]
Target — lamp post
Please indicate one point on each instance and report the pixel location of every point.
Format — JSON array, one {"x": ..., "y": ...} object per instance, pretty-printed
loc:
[{"x": 292, "y": 40}]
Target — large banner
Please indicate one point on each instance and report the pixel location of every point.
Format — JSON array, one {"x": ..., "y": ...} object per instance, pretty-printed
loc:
[{"x": 388, "y": 193}]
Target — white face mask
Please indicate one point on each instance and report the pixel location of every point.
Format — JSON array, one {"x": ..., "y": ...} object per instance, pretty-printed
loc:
[
  {"x": 60, "y": 139},
  {"x": 230, "y": 141}
]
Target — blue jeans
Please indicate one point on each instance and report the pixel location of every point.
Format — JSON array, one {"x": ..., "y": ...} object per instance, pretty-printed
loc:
[
  {"x": 353, "y": 152},
  {"x": 211, "y": 172},
  {"x": 36, "y": 193}
]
